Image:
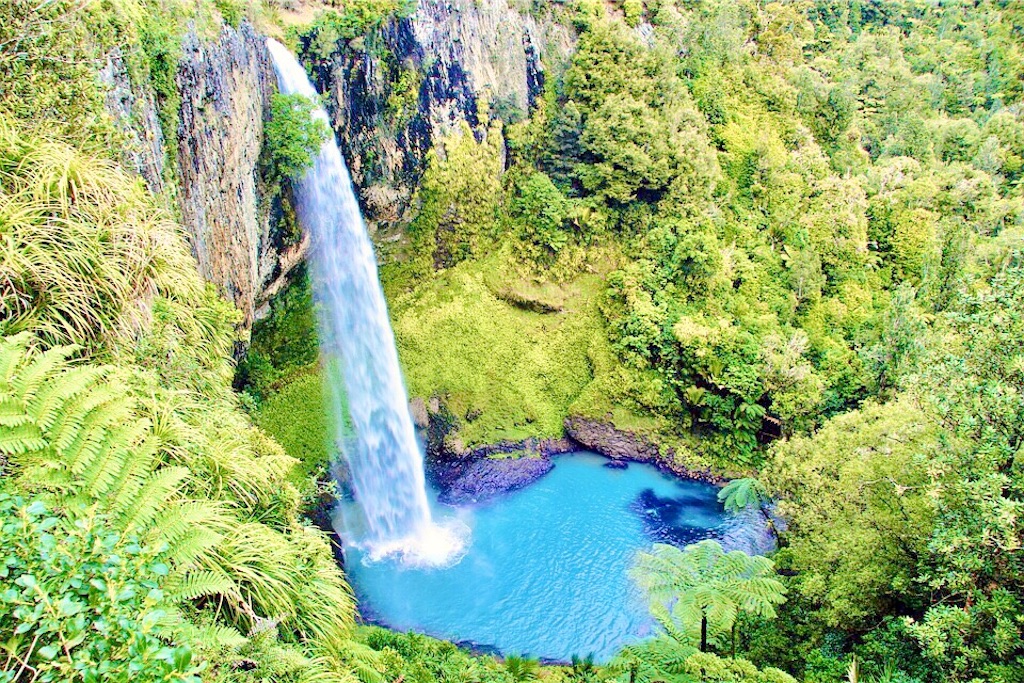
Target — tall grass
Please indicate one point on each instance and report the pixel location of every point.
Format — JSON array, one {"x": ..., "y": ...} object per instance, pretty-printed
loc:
[{"x": 83, "y": 247}]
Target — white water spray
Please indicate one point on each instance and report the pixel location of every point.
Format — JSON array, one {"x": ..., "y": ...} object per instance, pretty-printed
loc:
[{"x": 384, "y": 457}]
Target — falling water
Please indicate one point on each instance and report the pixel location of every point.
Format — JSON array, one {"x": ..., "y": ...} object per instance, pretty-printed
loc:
[{"x": 384, "y": 457}]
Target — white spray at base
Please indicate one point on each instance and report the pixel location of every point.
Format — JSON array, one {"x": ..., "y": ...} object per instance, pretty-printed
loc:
[{"x": 384, "y": 457}]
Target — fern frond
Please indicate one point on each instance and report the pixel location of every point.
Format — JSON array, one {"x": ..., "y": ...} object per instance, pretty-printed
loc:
[
  {"x": 190, "y": 530},
  {"x": 41, "y": 367},
  {"x": 200, "y": 584},
  {"x": 213, "y": 635},
  {"x": 12, "y": 412},
  {"x": 144, "y": 494},
  {"x": 48, "y": 403},
  {"x": 21, "y": 439},
  {"x": 12, "y": 351},
  {"x": 86, "y": 418}
]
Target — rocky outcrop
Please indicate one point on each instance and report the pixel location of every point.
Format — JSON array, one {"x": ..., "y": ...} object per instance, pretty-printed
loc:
[
  {"x": 133, "y": 109},
  {"x": 225, "y": 85},
  {"x": 393, "y": 94},
  {"x": 225, "y": 88},
  {"x": 486, "y": 478},
  {"x": 609, "y": 441}
]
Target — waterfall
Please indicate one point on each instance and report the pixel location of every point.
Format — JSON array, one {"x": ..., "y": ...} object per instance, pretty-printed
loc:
[{"x": 384, "y": 457}]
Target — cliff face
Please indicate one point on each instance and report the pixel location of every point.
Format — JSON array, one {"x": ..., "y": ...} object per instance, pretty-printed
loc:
[
  {"x": 225, "y": 88},
  {"x": 225, "y": 85},
  {"x": 133, "y": 109},
  {"x": 393, "y": 94}
]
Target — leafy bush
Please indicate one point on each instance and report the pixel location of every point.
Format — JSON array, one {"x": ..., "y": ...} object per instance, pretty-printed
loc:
[
  {"x": 283, "y": 343},
  {"x": 418, "y": 658},
  {"x": 82, "y": 602},
  {"x": 356, "y": 19},
  {"x": 542, "y": 210},
  {"x": 49, "y": 94},
  {"x": 459, "y": 199},
  {"x": 293, "y": 136}
]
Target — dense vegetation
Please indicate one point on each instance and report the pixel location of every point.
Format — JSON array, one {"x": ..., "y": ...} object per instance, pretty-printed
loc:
[
  {"x": 780, "y": 237},
  {"x": 777, "y": 201},
  {"x": 783, "y": 239},
  {"x": 149, "y": 530}
]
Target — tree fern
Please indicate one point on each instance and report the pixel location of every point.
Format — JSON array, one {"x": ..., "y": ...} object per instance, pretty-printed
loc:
[
  {"x": 521, "y": 669},
  {"x": 740, "y": 494},
  {"x": 657, "y": 659},
  {"x": 702, "y": 588},
  {"x": 364, "y": 661}
]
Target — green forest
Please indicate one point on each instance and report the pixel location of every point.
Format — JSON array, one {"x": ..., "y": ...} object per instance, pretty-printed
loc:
[{"x": 782, "y": 241}]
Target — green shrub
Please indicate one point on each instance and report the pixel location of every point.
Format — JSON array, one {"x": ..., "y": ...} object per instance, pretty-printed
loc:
[
  {"x": 49, "y": 94},
  {"x": 404, "y": 96},
  {"x": 542, "y": 210},
  {"x": 420, "y": 658},
  {"x": 356, "y": 19},
  {"x": 296, "y": 415},
  {"x": 293, "y": 136},
  {"x": 459, "y": 199},
  {"x": 160, "y": 40},
  {"x": 81, "y": 602}
]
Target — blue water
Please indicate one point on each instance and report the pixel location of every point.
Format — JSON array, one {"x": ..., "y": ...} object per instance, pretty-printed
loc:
[{"x": 545, "y": 572}]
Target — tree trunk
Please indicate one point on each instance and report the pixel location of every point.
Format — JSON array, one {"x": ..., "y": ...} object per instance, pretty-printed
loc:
[
  {"x": 770, "y": 523},
  {"x": 703, "y": 633}
]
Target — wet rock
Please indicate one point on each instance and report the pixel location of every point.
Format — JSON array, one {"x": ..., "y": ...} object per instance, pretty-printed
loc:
[
  {"x": 625, "y": 446},
  {"x": 418, "y": 408},
  {"x": 488, "y": 477}
]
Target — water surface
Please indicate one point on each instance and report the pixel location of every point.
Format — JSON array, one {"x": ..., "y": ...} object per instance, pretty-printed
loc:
[{"x": 545, "y": 573}]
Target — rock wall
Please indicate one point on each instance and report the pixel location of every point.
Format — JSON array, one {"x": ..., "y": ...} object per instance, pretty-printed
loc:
[
  {"x": 133, "y": 108},
  {"x": 393, "y": 94},
  {"x": 606, "y": 439},
  {"x": 225, "y": 85},
  {"x": 225, "y": 88}
]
